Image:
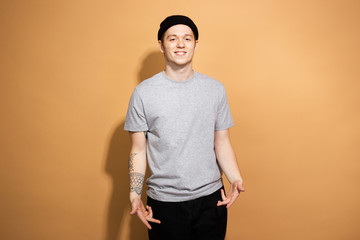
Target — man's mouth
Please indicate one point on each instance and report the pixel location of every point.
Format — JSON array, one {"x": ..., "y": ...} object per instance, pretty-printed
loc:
[{"x": 180, "y": 53}]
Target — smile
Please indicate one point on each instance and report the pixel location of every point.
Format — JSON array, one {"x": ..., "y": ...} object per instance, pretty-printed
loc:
[{"x": 180, "y": 53}]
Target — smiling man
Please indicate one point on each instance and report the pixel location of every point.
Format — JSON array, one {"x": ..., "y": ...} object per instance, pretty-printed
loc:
[{"x": 178, "y": 122}]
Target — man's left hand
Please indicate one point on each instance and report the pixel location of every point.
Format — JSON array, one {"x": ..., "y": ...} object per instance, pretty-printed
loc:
[{"x": 235, "y": 189}]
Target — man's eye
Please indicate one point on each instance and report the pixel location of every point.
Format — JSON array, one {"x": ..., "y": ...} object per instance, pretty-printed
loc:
[{"x": 172, "y": 39}]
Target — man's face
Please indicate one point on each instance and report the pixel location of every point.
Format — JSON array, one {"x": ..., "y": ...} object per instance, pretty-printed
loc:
[{"x": 178, "y": 45}]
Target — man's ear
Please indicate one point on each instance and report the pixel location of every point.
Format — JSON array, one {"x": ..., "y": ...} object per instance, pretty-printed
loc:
[
  {"x": 196, "y": 44},
  {"x": 161, "y": 46}
]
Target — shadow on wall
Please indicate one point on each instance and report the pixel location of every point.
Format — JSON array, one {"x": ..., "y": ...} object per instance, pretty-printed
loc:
[{"x": 116, "y": 167}]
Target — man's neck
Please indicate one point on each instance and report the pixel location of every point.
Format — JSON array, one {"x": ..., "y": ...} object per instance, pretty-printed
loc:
[{"x": 177, "y": 73}]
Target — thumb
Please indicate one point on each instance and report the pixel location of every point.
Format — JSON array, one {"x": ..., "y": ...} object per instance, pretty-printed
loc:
[{"x": 134, "y": 210}]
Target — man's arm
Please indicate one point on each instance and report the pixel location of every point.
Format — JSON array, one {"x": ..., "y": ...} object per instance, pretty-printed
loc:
[
  {"x": 227, "y": 161},
  {"x": 137, "y": 168}
]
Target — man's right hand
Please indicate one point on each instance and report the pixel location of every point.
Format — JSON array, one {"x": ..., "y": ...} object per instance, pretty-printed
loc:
[{"x": 145, "y": 215}]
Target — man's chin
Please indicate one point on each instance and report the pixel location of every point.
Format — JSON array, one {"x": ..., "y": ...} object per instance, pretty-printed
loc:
[{"x": 182, "y": 63}]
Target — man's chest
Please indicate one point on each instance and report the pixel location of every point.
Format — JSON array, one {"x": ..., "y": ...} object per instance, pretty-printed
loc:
[{"x": 176, "y": 105}]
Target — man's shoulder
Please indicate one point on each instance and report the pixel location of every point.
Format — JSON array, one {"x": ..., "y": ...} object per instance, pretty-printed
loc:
[
  {"x": 210, "y": 81},
  {"x": 151, "y": 81}
]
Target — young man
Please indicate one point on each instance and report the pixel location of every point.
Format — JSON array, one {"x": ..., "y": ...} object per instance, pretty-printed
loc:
[{"x": 178, "y": 120}]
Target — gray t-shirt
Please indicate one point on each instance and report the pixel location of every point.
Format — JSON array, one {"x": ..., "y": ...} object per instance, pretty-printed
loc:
[{"x": 180, "y": 119}]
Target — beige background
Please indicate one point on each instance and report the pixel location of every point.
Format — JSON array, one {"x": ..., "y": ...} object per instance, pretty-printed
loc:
[{"x": 291, "y": 70}]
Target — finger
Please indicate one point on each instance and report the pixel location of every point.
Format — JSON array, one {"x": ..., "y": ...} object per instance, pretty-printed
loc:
[
  {"x": 134, "y": 210},
  {"x": 149, "y": 210},
  {"x": 232, "y": 200},
  {"x": 241, "y": 189},
  {"x": 142, "y": 218},
  {"x": 226, "y": 201},
  {"x": 153, "y": 220},
  {"x": 223, "y": 195},
  {"x": 150, "y": 216}
]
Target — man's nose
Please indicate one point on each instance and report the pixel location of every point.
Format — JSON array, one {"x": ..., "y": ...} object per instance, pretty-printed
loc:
[{"x": 180, "y": 43}]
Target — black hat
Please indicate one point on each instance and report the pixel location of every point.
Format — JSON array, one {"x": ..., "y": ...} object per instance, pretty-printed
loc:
[{"x": 174, "y": 20}]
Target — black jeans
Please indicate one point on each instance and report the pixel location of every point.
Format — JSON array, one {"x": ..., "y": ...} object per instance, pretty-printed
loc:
[{"x": 198, "y": 219}]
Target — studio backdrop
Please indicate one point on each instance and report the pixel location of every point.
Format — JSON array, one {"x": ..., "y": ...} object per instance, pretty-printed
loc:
[{"x": 291, "y": 71}]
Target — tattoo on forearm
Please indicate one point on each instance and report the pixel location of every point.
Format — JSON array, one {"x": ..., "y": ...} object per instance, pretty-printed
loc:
[
  {"x": 136, "y": 182},
  {"x": 131, "y": 162}
]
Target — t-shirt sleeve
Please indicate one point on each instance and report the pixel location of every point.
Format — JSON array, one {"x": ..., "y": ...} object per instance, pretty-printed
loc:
[
  {"x": 135, "y": 118},
  {"x": 223, "y": 119}
]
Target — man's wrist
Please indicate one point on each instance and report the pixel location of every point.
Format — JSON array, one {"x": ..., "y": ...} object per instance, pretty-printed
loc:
[
  {"x": 134, "y": 196},
  {"x": 136, "y": 182},
  {"x": 237, "y": 180}
]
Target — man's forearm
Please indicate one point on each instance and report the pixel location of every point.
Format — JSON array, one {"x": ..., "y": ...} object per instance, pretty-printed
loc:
[
  {"x": 137, "y": 168},
  {"x": 227, "y": 161},
  {"x": 137, "y": 164},
  {"x": 226, "y": 156}
]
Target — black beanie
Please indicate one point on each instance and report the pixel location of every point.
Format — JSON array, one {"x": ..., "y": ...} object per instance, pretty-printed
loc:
[{"x": 174, "y": 20}]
